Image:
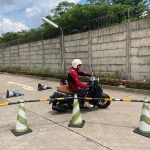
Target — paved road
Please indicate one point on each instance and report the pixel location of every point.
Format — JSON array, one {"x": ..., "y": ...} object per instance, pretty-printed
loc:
[{"x": 105, "y": 129}]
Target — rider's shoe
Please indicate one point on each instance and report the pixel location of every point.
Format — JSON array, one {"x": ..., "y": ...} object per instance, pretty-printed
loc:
[
  {"x": 87, "y": 105},
  {"x": 81, "y": 105}
]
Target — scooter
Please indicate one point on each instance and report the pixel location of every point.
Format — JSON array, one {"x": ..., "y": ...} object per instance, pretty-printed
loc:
[{"x": 64, "y": 92}]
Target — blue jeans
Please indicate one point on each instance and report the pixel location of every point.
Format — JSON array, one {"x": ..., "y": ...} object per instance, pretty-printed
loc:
[{"x": 82, "y": 90}]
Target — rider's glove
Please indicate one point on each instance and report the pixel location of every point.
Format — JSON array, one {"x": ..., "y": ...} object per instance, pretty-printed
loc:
[{"x": 90, "y": 74}]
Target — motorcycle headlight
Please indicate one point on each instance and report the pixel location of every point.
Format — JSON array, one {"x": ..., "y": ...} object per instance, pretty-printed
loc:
[
  {"x": 92, "y": 78},
  {"x": 98, "y": 80}
]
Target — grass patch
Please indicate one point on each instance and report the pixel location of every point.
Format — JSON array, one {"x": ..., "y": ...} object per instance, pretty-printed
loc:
[
  {"x": 105, "y": 78},
  {"x": 34, "y": 72}
]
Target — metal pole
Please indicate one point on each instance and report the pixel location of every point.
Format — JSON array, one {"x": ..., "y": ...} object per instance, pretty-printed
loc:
[
  {"x": 29, "y": 53},
  {"x": 18, "y": 54},
  {"x": 43, "y": 55},
  {"x": 10, "y": 60},
  {"x": 90, "y": 48},
  {"x": 62, "y": 55},
  {"x": 128, "y": 46},
  {"x": 3, "y": 53},
  {"x": 50, "y": 100}
]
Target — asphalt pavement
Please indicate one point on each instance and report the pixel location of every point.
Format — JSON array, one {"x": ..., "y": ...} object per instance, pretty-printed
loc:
[{"x": 104, "y": 129}]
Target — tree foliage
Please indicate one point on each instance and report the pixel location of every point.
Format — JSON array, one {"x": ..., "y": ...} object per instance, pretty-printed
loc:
[
  {"x": 61, "y": 8},
  {"x": 132, "y": 3},
  {"x": 70, "y": 14},
  {"x": 98, "y": 1}
]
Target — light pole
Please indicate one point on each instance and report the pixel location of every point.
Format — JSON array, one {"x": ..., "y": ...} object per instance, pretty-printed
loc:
[{"x": 62, "y": 40}]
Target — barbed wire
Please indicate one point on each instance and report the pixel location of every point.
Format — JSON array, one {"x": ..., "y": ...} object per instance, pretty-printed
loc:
[
  {"x": 108, "y": 20},
  {"x": 105, "y": 21}
]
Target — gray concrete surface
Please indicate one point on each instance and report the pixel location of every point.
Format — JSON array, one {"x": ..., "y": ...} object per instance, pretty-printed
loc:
[{"x": 104, "y": 129}]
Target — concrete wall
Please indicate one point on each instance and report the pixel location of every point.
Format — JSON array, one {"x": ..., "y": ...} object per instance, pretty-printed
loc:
[
  {"x": 124, "y": 48},
  {"x": 109, "y": 49},
  {"x": 76, "y": 46},
  {"x": 140, "y": 49},
  {"x": 41, "y": 55}
]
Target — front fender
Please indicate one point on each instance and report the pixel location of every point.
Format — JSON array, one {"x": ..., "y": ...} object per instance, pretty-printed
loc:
[{"x": 105, "y": 95}]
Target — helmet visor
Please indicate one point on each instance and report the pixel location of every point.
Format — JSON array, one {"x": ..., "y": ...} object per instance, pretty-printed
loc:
[{"x": 79, "y": 65}]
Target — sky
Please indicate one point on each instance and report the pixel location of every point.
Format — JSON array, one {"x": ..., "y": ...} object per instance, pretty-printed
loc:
[{"x": 17, "y": 15}]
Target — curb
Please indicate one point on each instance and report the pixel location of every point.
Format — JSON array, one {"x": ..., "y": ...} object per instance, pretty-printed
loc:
[
  {"x": 146, "y": 92},
  {"x": 34, "y": 77}
]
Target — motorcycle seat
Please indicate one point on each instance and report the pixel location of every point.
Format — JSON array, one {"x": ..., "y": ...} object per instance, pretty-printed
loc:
[{"x": 64, "y": 89}]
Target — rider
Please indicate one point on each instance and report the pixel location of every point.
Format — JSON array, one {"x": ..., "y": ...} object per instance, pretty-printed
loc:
[{"x": 74, "y": 82}]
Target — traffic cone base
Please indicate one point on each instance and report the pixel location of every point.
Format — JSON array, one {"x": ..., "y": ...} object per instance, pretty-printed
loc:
[
  {"x": 16, "y": 133},
  {"x": 141, "y": 132},
  {"x": 77, "y": 125}
]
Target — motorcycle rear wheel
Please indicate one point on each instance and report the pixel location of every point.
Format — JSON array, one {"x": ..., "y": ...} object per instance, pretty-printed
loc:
[{"x": 59, "y": 107}]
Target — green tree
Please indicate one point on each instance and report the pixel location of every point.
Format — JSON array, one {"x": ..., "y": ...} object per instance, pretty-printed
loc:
[
  {"x": 77, "y": 17},
  {"x": 61, "y": 8},
  {"x": 98, "y": 1},
  {"x": 92, "y": 1},
  {"x": 1, "y": 40},
  {"x": 9, "y": 36},
  {"x": 132, "y": 3}
]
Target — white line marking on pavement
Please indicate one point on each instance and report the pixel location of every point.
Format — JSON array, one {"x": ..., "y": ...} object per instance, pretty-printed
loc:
[
  {"x": 26, "y": 87},
  {"x": 11, "y": 82},
  {"x": 29, "y": 89}
]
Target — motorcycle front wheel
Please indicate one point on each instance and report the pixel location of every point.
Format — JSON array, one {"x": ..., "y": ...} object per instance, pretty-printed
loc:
[{"x": 103, "y": 103}]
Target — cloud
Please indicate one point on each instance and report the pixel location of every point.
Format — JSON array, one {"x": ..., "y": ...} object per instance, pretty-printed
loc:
[
  {"x": 8, "y": 25},
  {"x": 7, "y": 6},
  {"x": 31, "y": 12},
  {"x": 41, "y": 8},
  {"x": 25, "y": 14}
]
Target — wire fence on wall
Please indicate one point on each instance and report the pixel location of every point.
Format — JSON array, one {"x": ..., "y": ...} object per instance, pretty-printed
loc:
[{"x": 105, "y": 21}]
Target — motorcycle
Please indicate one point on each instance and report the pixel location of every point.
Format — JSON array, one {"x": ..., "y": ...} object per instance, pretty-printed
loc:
[{"x": 64, "y": 92}]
